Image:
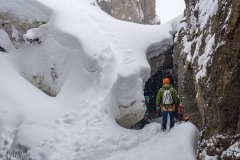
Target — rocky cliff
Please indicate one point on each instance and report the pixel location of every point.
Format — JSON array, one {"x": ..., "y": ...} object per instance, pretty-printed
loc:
[
  {"x": 138, "y": 11},
  {"x": 207, "y": 56}
]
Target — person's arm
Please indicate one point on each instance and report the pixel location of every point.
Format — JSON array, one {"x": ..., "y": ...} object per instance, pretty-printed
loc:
[
  {"x": 158, "y": 98},
  {"x": 147, "y": 103}
]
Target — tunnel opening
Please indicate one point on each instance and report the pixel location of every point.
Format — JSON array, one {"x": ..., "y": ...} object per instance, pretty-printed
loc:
[{"x": 162, "y": 66}]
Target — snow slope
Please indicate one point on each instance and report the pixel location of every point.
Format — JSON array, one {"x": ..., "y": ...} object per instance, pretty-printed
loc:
[{"x": 94, "y": 64}]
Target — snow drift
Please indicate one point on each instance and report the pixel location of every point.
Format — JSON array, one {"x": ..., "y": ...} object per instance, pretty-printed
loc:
[{"x": 95, "y": 66}]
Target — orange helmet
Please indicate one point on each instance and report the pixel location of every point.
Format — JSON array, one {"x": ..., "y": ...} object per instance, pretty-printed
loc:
[
  {"x": 186, "y": 118},
  {"x": 166, "y": 81}
]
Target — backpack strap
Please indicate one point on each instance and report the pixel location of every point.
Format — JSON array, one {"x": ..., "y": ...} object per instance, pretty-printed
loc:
[{"x": 173, "y": 93}]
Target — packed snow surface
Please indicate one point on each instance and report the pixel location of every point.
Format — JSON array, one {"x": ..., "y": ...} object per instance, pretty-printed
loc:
[{"x": 94, "y": 63}]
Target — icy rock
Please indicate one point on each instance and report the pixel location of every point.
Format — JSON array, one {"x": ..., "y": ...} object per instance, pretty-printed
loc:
[{"x": 132, "y": 114}]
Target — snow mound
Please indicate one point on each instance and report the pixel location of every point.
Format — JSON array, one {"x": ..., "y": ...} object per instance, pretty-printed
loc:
[
  {"x": 25, "y": 11},
  {"x": 5, "y": 41},
  {"x": 92, "y": 64}
]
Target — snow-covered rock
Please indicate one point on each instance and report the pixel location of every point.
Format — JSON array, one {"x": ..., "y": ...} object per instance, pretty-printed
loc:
[
  {"x": 207, "y": 58},
  {"x": 15, "y": 20},
  {"x": 96, "y": 66},
  {"x": 130, "y": 115}
]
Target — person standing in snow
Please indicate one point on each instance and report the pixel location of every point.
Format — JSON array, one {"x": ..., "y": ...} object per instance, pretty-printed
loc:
[
  {"x": 144, "y": 121},
  {"x": 147, "y": 99},
  {"x": 165, "y": 100}
]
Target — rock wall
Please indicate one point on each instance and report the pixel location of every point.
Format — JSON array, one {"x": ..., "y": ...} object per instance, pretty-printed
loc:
[
  {"x": 207, "y": 56},
  {"x": 138, "y": 11}
]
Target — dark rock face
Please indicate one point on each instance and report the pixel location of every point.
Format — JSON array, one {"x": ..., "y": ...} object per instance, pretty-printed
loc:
[
  {"x": 207, "y": 56},
  {"x": 138, "y": 11}
]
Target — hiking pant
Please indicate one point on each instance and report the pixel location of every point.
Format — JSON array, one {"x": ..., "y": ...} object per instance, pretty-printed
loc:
[{"x": 164, "y": 119}]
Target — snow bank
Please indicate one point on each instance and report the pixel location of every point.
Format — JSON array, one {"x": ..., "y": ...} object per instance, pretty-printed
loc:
[
  {"x": 5, "y": 41},
  {"x": 93, "y": 64},
  {"x": 166, "y": 39},
  {"x": 155, "y": 144},
  {"x": 25, "y": 10}
]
